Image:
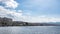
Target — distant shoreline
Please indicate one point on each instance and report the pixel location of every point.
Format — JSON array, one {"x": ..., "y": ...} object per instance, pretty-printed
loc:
[{"x": 9, "y": 22}]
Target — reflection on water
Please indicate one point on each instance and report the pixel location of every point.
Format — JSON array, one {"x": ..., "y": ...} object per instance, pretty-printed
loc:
[{"x": 30, "y": 30}]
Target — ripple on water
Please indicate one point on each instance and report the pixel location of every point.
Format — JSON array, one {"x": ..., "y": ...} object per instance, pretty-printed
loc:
[{"x": 30, "y": 30}]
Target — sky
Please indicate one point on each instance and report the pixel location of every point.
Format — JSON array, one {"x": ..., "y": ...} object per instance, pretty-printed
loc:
[{"x": 31, "y": 10}]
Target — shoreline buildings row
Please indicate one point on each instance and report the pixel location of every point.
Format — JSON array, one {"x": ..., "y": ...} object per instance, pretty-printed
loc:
[{"x": 9, "y": 22}]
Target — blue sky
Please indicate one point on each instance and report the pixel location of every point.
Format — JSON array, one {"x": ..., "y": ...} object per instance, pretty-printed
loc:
[
  {"x": 41, "y": 7},
  {"x": 31, "y": 10}
]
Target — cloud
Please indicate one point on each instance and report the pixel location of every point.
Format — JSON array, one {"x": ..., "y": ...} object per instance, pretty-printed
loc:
[
  {"x": 40, "y": 19},
  {"x": 9, "y": 3},
  {"x": 10, "y": 13}
]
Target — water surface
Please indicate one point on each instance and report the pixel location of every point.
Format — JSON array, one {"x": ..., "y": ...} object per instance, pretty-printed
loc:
[{"x": 30, "y": 30}]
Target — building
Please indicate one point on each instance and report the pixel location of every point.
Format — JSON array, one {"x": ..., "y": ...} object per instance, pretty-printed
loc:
[
  {"x": 5, "y": 21},
  {"x": 1, "y": 21},
  {"x": 18, "y": 23}
]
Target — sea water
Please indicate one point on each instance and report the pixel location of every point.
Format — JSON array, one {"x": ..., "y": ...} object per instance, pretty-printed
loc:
[{"x": 30, "y": 30}]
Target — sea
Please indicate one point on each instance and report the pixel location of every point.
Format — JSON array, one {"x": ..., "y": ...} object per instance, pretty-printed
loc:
[{"x": 30, "y": 30}]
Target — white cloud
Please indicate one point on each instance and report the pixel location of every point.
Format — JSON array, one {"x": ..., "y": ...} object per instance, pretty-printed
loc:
[
  {"x": 41, "y": 19},
  {"x": 10, "y": 3},
  {"x": 10, "y": 13}
]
